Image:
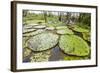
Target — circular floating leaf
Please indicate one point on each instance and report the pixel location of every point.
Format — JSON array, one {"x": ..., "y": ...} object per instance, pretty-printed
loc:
[
  {"x": 80, "y": 29},
  {"x": 39, "y": 26},
  {"x": 74, "y": 45},
  {"x": 28, "y": 30},
  {"x": 33, "y": 33},
  {"x": 63, "y": 30},
  {"x": 28, "y": 26},
  {"x": 50, "y": 28},
  {"x": 61, "y": 27},
  {"x": 43, "y": 41}
]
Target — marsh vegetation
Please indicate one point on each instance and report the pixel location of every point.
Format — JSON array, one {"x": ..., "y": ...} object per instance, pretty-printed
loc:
[{"x": 56, "y": 36}]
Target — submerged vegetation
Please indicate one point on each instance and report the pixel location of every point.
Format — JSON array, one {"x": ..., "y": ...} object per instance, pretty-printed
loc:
[{"x": 65, "y": 35}]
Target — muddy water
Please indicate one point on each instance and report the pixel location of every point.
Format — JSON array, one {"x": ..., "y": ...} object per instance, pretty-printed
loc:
[{"x": 55, "y": 55}]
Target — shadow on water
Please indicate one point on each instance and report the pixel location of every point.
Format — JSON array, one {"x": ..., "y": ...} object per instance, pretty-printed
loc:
[{"x": 56, "y": 54}]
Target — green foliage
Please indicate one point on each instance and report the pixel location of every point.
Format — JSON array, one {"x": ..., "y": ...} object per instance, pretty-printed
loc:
[
  {"x": 85, "y": 18},
  {"x": 74, "y": 45},
  {"x": 41, "y": 32}
]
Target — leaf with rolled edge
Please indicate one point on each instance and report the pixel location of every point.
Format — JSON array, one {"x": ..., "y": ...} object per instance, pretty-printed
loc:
[
  {"x": 74, "y": 45},
  {"x": 63, "y": 30},
  {"x": 43, "y": 41}
]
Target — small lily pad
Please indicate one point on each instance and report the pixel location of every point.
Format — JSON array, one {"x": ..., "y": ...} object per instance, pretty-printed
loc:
[
  {"x": 74, "y": 45},
  {"x": 28, "y": 30},
  {"x": 33, "y": 33},
  {"x": 39, "y": 26},
  {"x": 50, "y": 28},
  {"x": 27, "y": 26},
  {"x": 61, "y": 27},
  {"x": 43, "y": 41}
]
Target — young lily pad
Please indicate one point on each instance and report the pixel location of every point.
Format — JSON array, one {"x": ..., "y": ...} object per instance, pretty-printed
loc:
[
  {"x": 33, "y": 33},
  {"x": 74, "y": 45},
  {"x": 43, "y": 41}
]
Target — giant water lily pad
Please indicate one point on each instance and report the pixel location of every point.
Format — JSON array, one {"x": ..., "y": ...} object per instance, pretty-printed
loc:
[
  {"x": 63, "y": 30},
  {"x": 28, "y": 30},
  {"x": 80, "y": 29},
  {"x": 61, "y": 27},
  {"x": 74, "y": 45},
  {"x": 33, "y": 33},
  {"x": 39, "y": 26},
  {"x": 43, "y": 41},
  {"x": 50, "y": 28}
]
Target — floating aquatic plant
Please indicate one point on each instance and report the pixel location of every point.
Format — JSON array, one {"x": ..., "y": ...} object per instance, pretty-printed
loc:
[
  {"x": 74, "y": 45},
  {"x": 43, "y": 41}
]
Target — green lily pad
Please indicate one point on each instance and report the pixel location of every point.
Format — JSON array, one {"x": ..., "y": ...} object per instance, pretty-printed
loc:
[
  {"x": 39, "y": 26},
  {"x": 33, "y": 33},
  {"x": 63, "y": 30},
  {"x": 43, "y": 41},
  {"x": 74, "y": 45},
  {"x": 80, "y": 29},
  {"x": 61, "y": 27},
  {"x": 28, "y": 30},
  {"x": 50, "y": 28}
]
